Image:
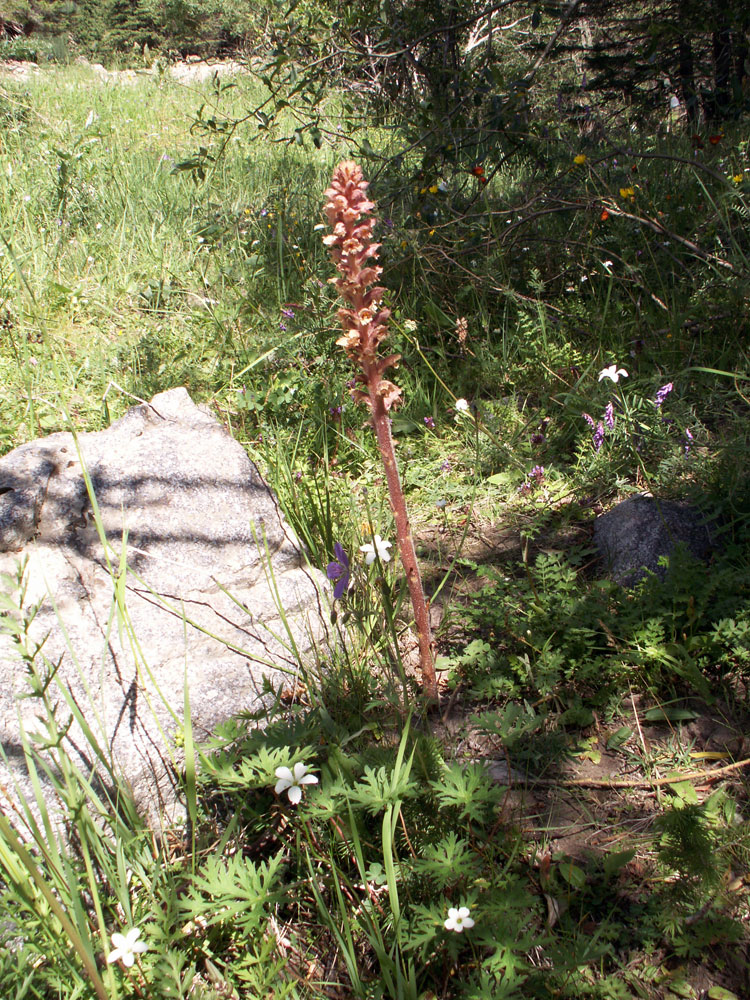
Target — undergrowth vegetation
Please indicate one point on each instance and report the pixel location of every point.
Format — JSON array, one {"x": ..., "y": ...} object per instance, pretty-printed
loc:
[{"x": 347, "y": 841}]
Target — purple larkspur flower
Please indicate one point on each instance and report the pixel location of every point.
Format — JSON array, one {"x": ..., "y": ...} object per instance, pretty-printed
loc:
[
  {"x": 662, "y": 394},
  {"x": 598, "y": 436},
  {"x": 289, "y": 313},
  {"x": 429, "y": 422},
  {"x": 609, "y": 415},
  {"x": 338, "y": 571}
]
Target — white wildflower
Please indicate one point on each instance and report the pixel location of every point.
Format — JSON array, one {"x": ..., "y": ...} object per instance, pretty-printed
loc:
[
  {"x": 291, "y": 781},
  {"x": 127, "y": 946},
  {"x": 377, "y": 547},
  {"x": 613, "y": 373},
  {"x": 458, "y": 919}
]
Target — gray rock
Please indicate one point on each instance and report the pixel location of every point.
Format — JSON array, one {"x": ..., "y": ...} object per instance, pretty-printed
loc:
[
  {"x": 637, "y": 532},
  {"x": 209, "y": 562}
]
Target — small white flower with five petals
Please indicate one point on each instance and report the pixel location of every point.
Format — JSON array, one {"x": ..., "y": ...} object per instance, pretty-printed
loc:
[
  {"x": 613, "y": 372},
  {"x": 377, "y": 547},
  {"x": 127, "y": 946},
  {"x": 462, "y": 407},
  {"x": 458, "y": 919},
  {"x": 291, "y": 781}
]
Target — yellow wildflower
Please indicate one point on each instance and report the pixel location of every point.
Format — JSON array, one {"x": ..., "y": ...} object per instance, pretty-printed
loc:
[
  {"x": 580, "y": 159},
  {"x": 433, "y": 189},
  {"x": 737, "y": 178},
  {"x": 627, "y": 192}
]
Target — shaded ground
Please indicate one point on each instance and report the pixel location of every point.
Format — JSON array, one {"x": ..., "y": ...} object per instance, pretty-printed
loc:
[{"x": 582, "y": 796}]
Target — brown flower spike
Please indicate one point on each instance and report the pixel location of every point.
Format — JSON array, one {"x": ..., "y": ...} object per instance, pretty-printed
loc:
[{"x": 365, "y": 325}]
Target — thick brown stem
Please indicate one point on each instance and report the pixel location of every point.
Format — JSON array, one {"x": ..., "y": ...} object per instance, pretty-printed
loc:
[{"x": 382, "y": 426}]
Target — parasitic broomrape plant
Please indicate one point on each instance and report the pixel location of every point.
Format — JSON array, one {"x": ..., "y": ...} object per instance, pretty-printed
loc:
[{"x": 365, "y": 325}]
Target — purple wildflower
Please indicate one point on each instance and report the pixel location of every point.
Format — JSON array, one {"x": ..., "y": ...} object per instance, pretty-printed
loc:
[
  {"x": 533, "y": 479},
  {"x": 289, "y": 313},
  {"x": 282, "y": 326},
  {"x": 338, "y": 571},
  {"x": 351, "y": 383},
  {"x": 688, "y": 440},
  {"x": 598, "y": 436},
  {"x": 662, "y": 394},
  {"x": 335, "y": 411},
  {"x": 446, "y": 466},
  {"x": 589, "y": 420},
  {"x": 429, "y": 423},
  {"x": 537, "y": 438},
  {"x": 609, "y": 415}
]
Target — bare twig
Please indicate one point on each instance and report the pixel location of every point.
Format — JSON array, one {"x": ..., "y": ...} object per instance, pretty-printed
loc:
[{"x": 710, "y": 774}]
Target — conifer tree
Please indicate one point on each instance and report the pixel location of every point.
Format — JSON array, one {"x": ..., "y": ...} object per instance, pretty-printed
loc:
[{"x": 695, "y": 50}]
